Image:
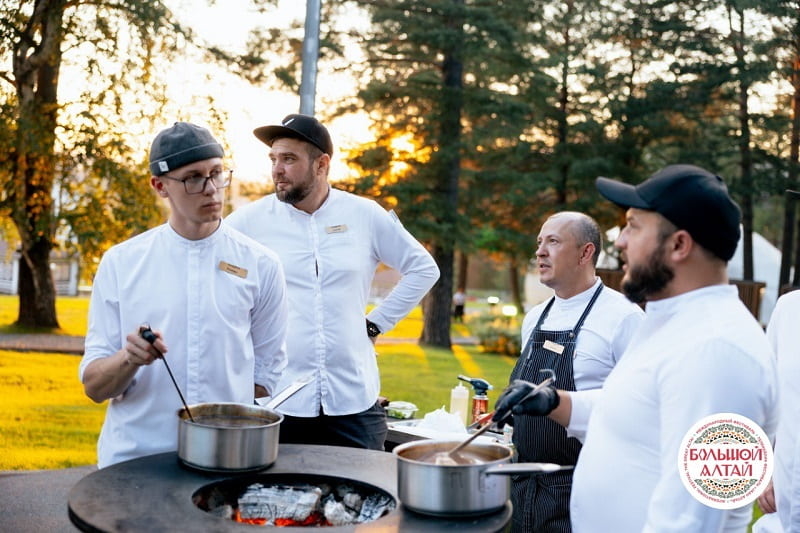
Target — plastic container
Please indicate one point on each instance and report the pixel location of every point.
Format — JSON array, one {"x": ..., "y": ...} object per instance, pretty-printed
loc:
[
  {"x": 401, "y": 410},
  {"x": 459, "y": 402}
]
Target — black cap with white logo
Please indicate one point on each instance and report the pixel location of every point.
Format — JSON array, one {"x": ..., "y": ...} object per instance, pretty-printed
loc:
[{"x": 301, "y": 127}]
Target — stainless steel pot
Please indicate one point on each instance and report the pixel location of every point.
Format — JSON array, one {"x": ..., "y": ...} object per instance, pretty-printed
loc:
[
  {"x": 458, "y": 490},
  {"x": 228, "y": 437},
  {"x": 233, "y": 437}
]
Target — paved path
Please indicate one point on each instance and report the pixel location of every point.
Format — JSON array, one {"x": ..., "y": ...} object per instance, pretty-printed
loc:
[
  {"x": 73, "y": 344},
  {"x": 35, "y": 501},
  {"x": 35, "y": 342}
]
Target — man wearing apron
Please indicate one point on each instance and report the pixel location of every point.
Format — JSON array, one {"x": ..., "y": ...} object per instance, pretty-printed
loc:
[{"x": 580, "y": 334}]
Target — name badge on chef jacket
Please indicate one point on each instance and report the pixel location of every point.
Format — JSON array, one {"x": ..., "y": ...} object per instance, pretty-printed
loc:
[
  {"x": 553, "y": 347},
  {"x": 338, "y": 228},
  {"x": 233, "y": 269}
]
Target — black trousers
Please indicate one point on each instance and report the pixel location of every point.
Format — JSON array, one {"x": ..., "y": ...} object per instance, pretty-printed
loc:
[{"x": 366, "y": 429}]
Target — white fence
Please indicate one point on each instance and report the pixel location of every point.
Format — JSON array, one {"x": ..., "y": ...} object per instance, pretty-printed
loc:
[{"x": 64, "y": 269}]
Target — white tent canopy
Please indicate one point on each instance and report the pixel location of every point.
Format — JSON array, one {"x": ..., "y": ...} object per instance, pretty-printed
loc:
[{"x": 766, "y": 268}]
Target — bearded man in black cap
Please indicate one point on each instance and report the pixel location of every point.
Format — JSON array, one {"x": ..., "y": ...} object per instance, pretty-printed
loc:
[
  {"x": 215, "y": 298},
  {"x": 699, "y": 352},
  {"x": 330, "y": 243}
]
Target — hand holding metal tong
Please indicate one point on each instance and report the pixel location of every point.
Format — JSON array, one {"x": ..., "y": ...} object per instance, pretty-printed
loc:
[{"x": 515, "y": 399}]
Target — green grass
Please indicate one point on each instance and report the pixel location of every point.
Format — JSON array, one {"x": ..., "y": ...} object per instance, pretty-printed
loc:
[
  {"x": 71, "y": 312},
  {"x": 47, "y": 422}
]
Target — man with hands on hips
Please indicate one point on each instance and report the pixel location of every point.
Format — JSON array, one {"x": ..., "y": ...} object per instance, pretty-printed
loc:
[
  {"x": 699, "y": 352},
  {"x": 330, "y": 243},
  {"x": 216, "y": 298}
]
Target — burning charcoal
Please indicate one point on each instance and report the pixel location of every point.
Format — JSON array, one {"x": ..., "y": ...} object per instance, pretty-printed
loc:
[
  {"x": 326, "y": 488},
  {"x": 216, "y": 498},
  {"x": 294, "y": 503},
  {"x": 375, "y": 506},
  {"x": 342, "y": 489},
  {"x": 223, "y": 511},
  {"x": 353, "y": 501},
  {"x": 336, "y": 513}
]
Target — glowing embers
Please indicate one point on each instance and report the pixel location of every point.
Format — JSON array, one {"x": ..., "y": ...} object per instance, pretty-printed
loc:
[{"x": 294, "y": 500}]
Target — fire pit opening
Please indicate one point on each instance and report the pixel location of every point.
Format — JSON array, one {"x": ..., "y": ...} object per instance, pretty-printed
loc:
[{"x": 294, "y": 500}]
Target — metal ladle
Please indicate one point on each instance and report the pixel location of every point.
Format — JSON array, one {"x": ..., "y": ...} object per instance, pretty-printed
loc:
[
  {"x": 147, "y": 334},
  {"x": 450, "y": 458}
]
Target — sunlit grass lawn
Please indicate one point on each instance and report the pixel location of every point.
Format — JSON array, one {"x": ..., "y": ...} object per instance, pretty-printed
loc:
[
  {"x": 47, "y": 421},
  {"x": 71, "y": 313}
]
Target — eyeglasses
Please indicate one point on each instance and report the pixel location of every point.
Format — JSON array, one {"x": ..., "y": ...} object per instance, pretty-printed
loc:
[{"x": 195, "y": 183}]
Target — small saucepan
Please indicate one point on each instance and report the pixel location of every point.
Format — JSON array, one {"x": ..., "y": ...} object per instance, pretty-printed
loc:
[
  {"x": 232, "y": 437},
  {"x": 478, "y": 484},
  {"x": 228, "y": 437}
]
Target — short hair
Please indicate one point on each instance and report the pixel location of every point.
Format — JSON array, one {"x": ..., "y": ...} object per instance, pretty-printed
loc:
[
  {"x": 313, "y": 151},
  {"x": 585, "y": 229}
]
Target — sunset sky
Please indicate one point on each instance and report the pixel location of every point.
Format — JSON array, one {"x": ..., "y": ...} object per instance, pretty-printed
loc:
[{"x": 228, "y": 23}]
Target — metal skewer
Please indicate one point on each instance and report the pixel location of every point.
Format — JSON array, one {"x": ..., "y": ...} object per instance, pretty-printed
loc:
[{"x": 148, "y": 335}]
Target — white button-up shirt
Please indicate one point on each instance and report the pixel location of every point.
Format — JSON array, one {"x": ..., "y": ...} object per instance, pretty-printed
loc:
[
  {"x": 694, "y": 355},
  {"x": 603, "y": 337},
  {"x": 225, "y": 331},
  {"x": 330, "y": 257},
  {"x": 784, "y": 333}
]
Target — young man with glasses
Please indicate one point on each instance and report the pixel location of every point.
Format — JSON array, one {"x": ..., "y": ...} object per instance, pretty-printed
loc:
[
  {"x": 330, "y": 243},
  {"x": 215, "y": 298}
]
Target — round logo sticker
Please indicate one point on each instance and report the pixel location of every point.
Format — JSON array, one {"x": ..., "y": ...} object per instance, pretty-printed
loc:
[{"x": 725, "y": 461}]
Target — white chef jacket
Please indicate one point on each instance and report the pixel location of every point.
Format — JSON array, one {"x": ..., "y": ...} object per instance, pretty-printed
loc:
[
  {"x": 224, "y": 331},
  {"x": 603, "y": 337},
  {"x": 695, "y": 354},
  {"x": 784, "y": 334},
  {"x": 329, "y": 257}
]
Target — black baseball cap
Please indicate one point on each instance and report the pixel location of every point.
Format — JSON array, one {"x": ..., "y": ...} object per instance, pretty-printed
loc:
[
  {"x": 688, "y": 196},
  {"x": 181, "y": 144},
  {"x": 301, "y": 127}
]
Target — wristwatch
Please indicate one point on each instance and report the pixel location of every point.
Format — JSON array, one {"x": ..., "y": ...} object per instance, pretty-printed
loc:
[{"x": 372, "y": 329}]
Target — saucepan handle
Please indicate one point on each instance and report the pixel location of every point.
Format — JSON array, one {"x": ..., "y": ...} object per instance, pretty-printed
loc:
[{"x": 508, "y": 469}]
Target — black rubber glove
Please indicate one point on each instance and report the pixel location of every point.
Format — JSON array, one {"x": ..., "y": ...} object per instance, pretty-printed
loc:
[{"x": 512, "y": 400}]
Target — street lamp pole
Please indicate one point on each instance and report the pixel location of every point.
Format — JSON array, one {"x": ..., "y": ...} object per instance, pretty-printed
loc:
[{"x": 308, "y": 81}]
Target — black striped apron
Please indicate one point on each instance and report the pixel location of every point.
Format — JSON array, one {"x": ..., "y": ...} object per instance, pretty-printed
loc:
[{"x": 541, "y": 502}]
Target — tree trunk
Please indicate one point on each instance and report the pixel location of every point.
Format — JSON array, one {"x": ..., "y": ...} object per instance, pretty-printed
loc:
[
  {"x": 462, "y": 271},
  {"x": 36, "y": 64},
  {"x": 436, "y": 305},
  {"x": 745, "y": 154},
  {"x": 436, "y": 308},
  {"x": 513, "y": 279},
  {"x": 563, "y": 113},
  {"x": 791, "y": 200},
  {"x": 35, "y": 278},
  {"x": 436, "y": 328},
  {"x": 746, "y": 189},
  {"x": 787, "y": 244}
]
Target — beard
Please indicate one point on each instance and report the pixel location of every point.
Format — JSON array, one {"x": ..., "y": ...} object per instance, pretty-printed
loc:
[
  {"x": 299, "y": 192},
  {"x": 293, "y": 195},
  {"x": 650, "y": 278}
]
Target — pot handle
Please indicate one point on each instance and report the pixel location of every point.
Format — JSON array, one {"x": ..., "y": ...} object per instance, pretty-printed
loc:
[
  {"x": 272, "y": 402},
  {"x": 506, "y": 469}
]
